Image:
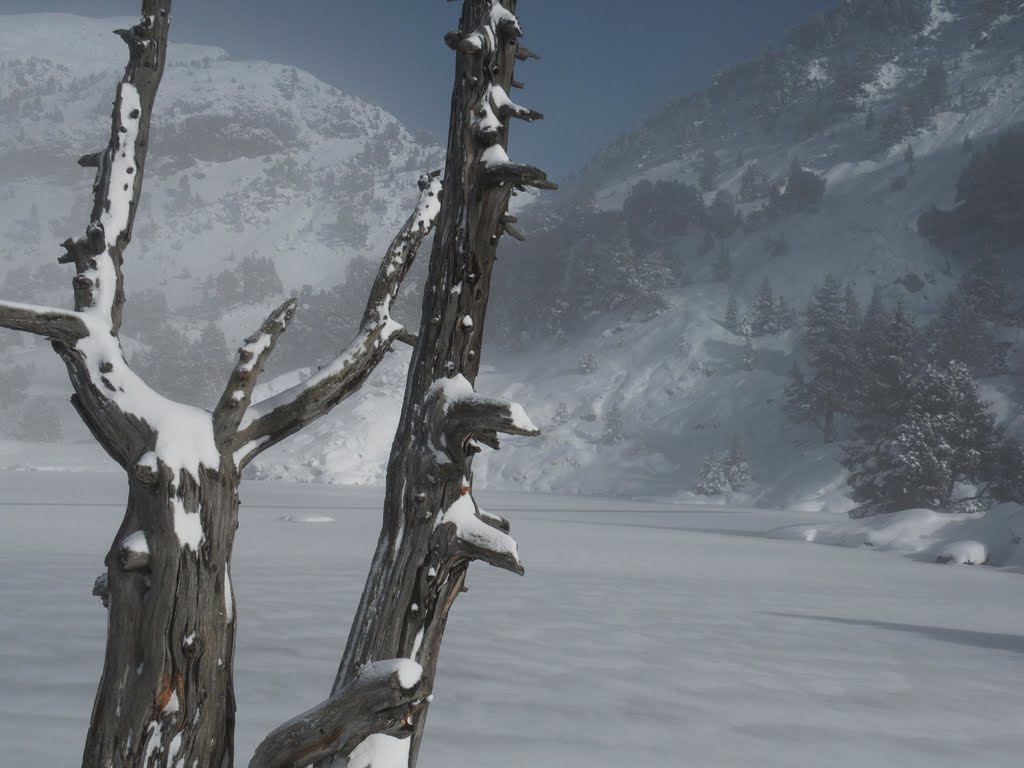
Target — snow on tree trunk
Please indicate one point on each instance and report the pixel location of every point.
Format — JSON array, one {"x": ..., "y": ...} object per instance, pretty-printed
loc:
[
  {"x": 166, "y": 696},
  {"x": 433, "y": 526}
]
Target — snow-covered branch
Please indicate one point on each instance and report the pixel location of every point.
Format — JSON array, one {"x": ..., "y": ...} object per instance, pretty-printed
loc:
[
  {"x": 269, "y": 421},
  {"x": 252, "y": 356},
  {"x": 398, "y": 259},
  {"x": 461, "y": 418},
  {"x": 49, "y": 322},
  {"x": 99, "y": 282},
  {"x": 383, "y": 698},
  {"x": 480, "y": 535},
  {"x": 498, "y": 171}
]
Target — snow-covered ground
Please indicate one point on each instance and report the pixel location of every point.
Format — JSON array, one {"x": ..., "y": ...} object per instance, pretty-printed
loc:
[{"x": 642, "y": 635}]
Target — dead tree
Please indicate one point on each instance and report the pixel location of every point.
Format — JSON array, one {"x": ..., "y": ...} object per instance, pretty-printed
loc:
[
  {"x": 433, "y": 527},
  {"x": 166, "y": 696}
]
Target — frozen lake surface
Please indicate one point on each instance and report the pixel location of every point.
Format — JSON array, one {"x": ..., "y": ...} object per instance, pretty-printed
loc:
[{"x": 642, "y": 635}]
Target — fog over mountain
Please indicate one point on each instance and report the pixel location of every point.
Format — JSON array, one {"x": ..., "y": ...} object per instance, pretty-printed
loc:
[{"x": 816, "y": 158}]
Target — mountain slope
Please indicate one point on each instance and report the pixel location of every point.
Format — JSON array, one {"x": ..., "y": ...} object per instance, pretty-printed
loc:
[{"x": 830, "y": 97}]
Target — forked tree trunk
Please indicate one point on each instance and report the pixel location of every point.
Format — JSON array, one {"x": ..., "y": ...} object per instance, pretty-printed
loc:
[{"x": 432, "y": 526}]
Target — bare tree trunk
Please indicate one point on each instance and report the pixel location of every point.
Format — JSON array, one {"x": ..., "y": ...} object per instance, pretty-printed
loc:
[
  {"x": 166, "y": 694},
  {"x": 432, "y": 526}
]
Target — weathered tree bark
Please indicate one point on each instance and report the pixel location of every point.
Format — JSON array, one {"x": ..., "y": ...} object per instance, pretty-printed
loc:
[
  {"x": 432, "y": 525},
  {"x": 166, "y": 695}
]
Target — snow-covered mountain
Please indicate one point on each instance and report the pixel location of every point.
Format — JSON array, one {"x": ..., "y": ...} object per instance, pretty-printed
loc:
[
  {"x": 250, "y": 162},
  {"x": 844, "y": 96},
  {"x": 636, "y": 383},
  {"x": 248, "y": 158}
]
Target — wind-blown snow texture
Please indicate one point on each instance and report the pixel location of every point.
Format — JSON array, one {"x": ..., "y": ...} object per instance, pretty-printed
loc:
[{"x": 642, "y": 634}]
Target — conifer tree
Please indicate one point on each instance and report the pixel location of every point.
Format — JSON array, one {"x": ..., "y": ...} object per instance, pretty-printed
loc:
[
  {"x": 874, "y": 319},
  {"x": 763, "y": 322},
  {"x": 561, "y": 415},
  {"x": 712, "y": 479},
  {"x": 749, "y": 354},
  {"x": 737, "y": 469},
  {"x": 946, "y": 435},
  {"x": 888, "y": 361},
  {"x": 832, "y": 348},
  {"x": 613, "y": 425},
  {"x": 785, "y": 316}
]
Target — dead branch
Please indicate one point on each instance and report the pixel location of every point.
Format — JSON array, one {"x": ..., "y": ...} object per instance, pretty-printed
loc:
[{"x": 383, "y": 698}]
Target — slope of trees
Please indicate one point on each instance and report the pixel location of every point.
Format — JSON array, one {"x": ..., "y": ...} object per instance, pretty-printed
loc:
[{"x": 918, "y": 428}]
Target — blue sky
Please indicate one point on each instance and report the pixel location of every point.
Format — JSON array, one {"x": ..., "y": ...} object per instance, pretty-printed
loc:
[{"x": 605, "y": 64}]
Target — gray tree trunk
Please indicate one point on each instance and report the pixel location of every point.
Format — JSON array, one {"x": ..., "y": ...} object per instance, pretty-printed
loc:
[{"x": 432, "y": 526}]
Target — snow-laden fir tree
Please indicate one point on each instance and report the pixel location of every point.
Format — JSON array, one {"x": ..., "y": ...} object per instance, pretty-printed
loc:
[
  {"x": 832, "y": 348},
  {"x": 737, "y": 469},
  {"x": 712, "y": 480},
  {"x": 785, "y": 315},
  {"x": 946, "y": 435},
  {"x": 749, "y": 354},
  {"x": 874, "y": 321},
  {"x": 561, "y": 415},
  {"x": 888, "y": 361},
  {"x": 588, "y": 364},
  {"x": 613, "y": 425},
  {"x": 764, "y": 320}
]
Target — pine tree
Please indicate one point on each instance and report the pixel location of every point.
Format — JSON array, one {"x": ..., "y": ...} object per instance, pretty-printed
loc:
[
  {"x": 763, "y": 322},
  {"x": 832, "y": 346},
  {"x": 749, "y": 354},
  {"x": 561, "y": 415},
  {"x": 888, "y": 363},
  {"x": 613, "y": 425},
  {"x": 737, "y": 469},
  {"x": 946, "y": 435},
  {"x": 785, "y": 315},
  {"x": 732, "y": 313},
  {"x": 799, "y": 397},
  {"x": 712, "y": 479}
]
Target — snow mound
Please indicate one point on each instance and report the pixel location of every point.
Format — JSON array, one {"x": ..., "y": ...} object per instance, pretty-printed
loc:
[
  {"x": 980, "y": 538},
  {"x": 299, "y": 517},
  {"x": 964, "y": 553}
]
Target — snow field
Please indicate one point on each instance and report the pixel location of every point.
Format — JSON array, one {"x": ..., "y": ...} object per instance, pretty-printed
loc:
[{"x": 642, "y": 635}]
